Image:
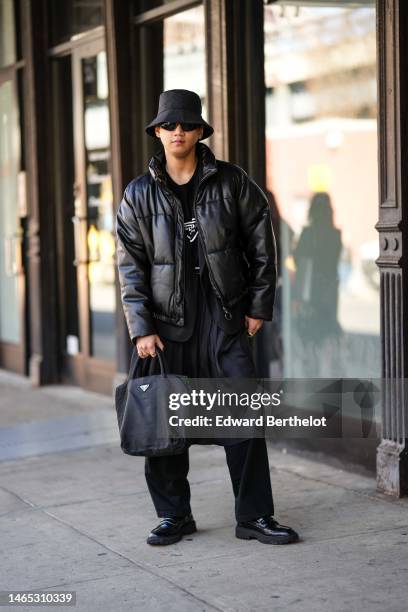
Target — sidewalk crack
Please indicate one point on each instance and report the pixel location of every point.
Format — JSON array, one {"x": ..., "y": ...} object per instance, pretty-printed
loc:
[{"x": 139, "y": 565}]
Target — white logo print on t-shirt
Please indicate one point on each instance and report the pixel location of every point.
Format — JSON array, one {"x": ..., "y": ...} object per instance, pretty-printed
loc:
[{"x": 190, "y": 228}]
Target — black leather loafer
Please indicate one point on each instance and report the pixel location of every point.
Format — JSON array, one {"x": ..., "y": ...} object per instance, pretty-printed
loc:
[
  {"x": 171, "y": 530},
  {"x": 266, "y": 530}
]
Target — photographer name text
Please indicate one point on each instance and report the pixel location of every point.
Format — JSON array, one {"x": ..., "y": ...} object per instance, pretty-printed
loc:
[{"x": 260, "y": 421}]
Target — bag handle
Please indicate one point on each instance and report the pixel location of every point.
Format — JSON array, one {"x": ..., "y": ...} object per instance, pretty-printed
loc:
[
  {"x": 164, "y": 366},
  {"x": 137, "y": 364}
]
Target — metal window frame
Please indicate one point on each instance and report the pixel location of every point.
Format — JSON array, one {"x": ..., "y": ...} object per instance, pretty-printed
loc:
[{"x": 164, "y": 11}]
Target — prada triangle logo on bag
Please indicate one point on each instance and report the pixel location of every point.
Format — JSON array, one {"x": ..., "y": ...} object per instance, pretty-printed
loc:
[{"x": 144, "y": 387}]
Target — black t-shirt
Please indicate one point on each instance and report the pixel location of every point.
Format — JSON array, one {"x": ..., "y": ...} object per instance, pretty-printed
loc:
[{"x": 186, "y": 194}]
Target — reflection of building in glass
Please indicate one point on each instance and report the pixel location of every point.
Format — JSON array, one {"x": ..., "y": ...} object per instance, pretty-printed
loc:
[
  {"x": 184, "y": 53},
  {"x": 319, "y": 62}
]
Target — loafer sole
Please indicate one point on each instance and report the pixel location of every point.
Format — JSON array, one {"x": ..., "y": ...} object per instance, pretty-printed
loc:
[
  {"x": 187, "y": 529},
  {"x": 250, "y": 534}
]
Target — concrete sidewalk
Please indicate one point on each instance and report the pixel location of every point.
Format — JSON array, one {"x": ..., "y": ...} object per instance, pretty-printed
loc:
[{"x": 75, "y": 513}]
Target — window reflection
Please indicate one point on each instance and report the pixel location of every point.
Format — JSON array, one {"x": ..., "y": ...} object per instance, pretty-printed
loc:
[
  {"x": 10, "y": 233},
  {"x": 184, "y": 53},
  {"x": 7, "y": 33},
  {"x": 100, "y": 240},
  {"x": 321, "y": 150},
  {"x": 73, "y": 17}
]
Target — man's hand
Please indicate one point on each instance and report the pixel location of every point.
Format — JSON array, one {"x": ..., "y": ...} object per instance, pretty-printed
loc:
[
  {"x": 146, "y": 345},
  {"x": 253, "y": 325}
]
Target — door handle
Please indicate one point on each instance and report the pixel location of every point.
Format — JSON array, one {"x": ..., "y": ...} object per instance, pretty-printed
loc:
[
  {"x": 78, "y": 219},
  {"x": 79, "y": 223},
  {"x": 12, "y": 253},
  {"x": 80, "y": 229},
  {"x": 76, "y": 189}
]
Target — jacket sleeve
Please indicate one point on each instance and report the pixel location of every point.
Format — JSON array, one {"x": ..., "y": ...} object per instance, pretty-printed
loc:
[
  {"x": 134, "y": 271},
  {"x": 259, "y": 245}
]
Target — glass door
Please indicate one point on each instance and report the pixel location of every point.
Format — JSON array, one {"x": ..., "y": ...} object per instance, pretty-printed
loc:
[{"x": 92, "y": 221}]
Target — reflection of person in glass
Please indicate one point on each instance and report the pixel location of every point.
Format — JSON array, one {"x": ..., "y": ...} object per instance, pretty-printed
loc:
[
  {"x": 316, "y": 257},
  {"x": 205, "y": 294},
  {"x": 270, "y": 343}
]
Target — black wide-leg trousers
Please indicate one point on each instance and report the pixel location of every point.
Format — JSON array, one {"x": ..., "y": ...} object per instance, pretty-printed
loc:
[
  {"x": 210, "y": 352},
  {"x": 249, "y": 471}
]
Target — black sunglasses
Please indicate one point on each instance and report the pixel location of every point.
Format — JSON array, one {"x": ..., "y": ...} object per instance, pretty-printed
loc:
[{"x": 170, "y": 126}]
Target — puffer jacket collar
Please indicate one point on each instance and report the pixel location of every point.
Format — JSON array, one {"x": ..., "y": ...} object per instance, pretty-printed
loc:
[{"x": 206, "y": 159}]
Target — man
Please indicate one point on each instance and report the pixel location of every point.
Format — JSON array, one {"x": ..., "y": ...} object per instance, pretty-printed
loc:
[{"x": 197, "y": 266}]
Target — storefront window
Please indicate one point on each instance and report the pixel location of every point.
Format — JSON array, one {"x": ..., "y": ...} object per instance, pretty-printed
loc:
[
  {"x": 321, "y": 150},
  {"x": 73, "y": 17},
  {"x": 9, "y": 224},
  {"x": 7, "y": 33},
  {"x": 184, "y": 53}
]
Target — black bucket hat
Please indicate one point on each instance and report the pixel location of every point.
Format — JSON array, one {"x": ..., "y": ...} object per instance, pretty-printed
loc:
[{"x": 179, "y": 105}]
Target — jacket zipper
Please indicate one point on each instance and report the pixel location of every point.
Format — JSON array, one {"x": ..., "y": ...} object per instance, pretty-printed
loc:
[
  {"x": 227, "y": 313},
  {"x": 180, "y": 208}
]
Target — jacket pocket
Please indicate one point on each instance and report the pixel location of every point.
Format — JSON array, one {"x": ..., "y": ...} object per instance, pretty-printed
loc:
[
  {"x": 162, "y": 286},
  {"x": 228, "y": 273}
]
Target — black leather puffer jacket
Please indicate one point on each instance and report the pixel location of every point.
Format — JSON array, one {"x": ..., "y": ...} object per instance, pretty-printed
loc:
[{"x": 235, "y": 230}]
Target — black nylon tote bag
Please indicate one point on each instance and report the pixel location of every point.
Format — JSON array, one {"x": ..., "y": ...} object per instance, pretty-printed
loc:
[{"x": 142, "y": 408}]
